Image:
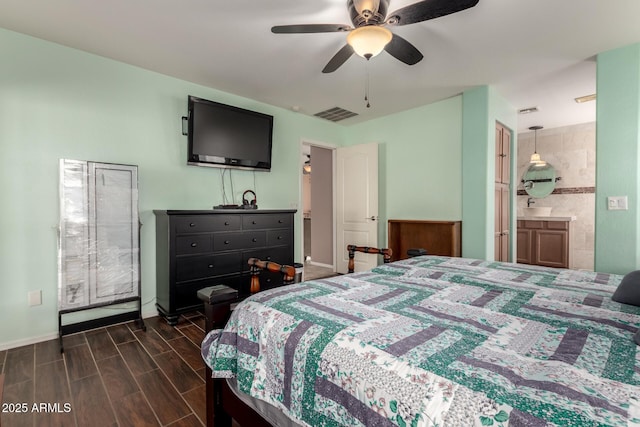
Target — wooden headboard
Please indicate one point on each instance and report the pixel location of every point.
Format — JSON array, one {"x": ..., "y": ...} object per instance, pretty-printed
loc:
[{"x": 437, "y": 237}]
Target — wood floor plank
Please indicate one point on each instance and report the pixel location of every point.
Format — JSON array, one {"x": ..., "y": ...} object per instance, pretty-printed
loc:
[
  {"x": 152, "y": 342},
  {"x": 18, "y": 393},
  {"x": 116, "y": 378},
  {"x": 134, "y": 411},
  {"x": 194, "y": 333},
  {"x": 197, "y": 399},
  {"x": 189, "y": 421},
  {"x": 19, "y": 365},
  {"x": 51, "y": 383},
  {"x": 54, "y": 417},
  {"x": 178, "y": 372},
  {"x": 199, "y": 321},
  {"x": 79, "y": 362},
  {"x": 48, "y": 351},
  {"x": 101, "y": 344},
  {"x": 52, "y": 388},
  {"x": 120, "y": 333},
  {"x": 160, "y": 325},
  {"x": 188, "y": 351},
  {"x": 69, "y": 341},
  {"x": 90, "y": 402},
  {"x": 3, "y": 355},
  {"x": 136, "y": 358},
  {"x": 167, "y": 404}
]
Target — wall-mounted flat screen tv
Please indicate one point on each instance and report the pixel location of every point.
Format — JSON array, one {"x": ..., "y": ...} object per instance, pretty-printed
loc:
[{"x": 225, "y": 136}]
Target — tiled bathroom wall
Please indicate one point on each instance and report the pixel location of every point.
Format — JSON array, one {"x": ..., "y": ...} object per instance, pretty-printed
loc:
[{"x": 572, "y": 152}]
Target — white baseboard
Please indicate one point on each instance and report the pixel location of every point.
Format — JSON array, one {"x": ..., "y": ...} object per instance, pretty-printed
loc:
[
  {"x": 317, "y": 264},
  {"x": 53, "y": 335},
  {"x": 28, "y": 341}
]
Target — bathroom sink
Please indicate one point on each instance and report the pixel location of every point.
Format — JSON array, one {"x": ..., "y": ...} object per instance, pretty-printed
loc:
[{"x": 537, "y": 211}]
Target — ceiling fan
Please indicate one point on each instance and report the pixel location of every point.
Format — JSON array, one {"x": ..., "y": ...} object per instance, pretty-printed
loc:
[{"x": 369, "y": 35}]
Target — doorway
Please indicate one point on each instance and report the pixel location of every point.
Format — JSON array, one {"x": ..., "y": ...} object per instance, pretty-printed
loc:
[{"x": 317, "y": 169}]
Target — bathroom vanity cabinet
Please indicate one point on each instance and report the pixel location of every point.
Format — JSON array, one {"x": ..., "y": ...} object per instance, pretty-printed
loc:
[{"x": 545, "y": 242}]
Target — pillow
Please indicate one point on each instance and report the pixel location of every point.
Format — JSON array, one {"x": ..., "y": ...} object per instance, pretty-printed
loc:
[{"x": 628, "y": 291}]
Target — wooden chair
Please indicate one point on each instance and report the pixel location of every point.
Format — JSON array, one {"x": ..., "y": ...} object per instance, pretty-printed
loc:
[
  {"x": 352, "y": 249},
  {"x": 257, "y": 265}
]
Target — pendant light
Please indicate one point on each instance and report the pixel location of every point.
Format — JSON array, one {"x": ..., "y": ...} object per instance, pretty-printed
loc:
[{"x": 535, "y": 157}]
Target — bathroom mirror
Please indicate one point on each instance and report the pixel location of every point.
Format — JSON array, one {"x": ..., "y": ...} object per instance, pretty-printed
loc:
[{"x": 539, "y": 179}]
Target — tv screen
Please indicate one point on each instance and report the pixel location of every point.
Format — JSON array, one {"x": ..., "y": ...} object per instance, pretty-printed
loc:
[{"x": 225, "y": 136}]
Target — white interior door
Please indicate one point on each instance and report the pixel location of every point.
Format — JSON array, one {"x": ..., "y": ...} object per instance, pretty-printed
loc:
[{"x": 356, "y": 204}]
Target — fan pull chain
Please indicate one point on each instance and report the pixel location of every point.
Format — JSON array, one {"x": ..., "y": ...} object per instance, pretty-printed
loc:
[{"x": 366, "y": 88}]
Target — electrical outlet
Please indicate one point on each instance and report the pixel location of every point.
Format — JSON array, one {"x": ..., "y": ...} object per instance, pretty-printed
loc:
[{"x": 34, "y": 298}]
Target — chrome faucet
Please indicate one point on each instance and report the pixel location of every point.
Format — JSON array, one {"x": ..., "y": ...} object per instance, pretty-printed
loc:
[{"x": 530, "y": 201}]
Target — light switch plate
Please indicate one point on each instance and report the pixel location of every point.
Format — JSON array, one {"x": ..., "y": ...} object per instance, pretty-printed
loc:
[{"x": 617, "y": 203}]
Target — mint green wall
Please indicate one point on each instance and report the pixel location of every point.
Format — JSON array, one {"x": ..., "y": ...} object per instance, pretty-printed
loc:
[
  {"x": 419, "y": 162},
  {"x": 57, "y": 102},
  {"x": 617, "y": 236},
  {"x": 482, "y": 107}
]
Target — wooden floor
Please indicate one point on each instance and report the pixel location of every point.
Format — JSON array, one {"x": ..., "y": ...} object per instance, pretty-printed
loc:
[{"x": 114, "y": 376}]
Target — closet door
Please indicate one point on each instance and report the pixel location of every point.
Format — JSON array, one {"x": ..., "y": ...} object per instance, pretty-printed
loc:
[
  {"x": 502, "y": 193},
  {"x": 113, "y": 232}
]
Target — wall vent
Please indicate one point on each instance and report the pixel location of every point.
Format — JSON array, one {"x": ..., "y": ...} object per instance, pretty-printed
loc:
[
  {"x": 335, "y": 114},
  {"x": 528, "y": 110}
]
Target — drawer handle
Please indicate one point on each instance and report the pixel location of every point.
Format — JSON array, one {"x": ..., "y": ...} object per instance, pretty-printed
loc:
[
  {"x": 226, "y": 223},
  {"x": 191, "y": 224},
  {"x": 279, "y": 237},
  {"x": 279, "y": 221},
  {"x": 253, "y": 222},
  {"x": 226, "y": 242},
  {"x": 268, "y": 258},
  {"x": 254, "y": 240},
  {"x": 210, "y": 266},
  {"x": 194, "y": 244}
]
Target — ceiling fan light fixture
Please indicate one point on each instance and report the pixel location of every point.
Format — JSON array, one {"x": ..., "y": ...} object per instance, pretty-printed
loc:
[{"x": 369, "y": 41}]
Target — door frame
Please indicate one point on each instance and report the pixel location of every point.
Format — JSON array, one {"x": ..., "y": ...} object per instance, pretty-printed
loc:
[{"x": 333, "y": 148}]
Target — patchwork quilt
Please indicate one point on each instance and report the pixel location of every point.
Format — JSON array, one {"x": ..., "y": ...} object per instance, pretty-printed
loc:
[{"x": 438, "y": 341}]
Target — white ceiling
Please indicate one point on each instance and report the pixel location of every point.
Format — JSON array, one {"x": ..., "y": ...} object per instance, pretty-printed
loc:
[{"x": 534, "y": 52}]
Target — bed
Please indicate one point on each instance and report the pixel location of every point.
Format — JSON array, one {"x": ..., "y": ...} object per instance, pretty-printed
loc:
[{"x": 433, "y": 341}]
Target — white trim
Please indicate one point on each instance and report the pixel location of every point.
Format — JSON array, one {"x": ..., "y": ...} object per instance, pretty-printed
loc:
[
  {"x": 54, "y": 335},
  {"x": 27, "y": 341},
  {"x": 318, "y": 264},
  {"x": 333, "y": 148}
]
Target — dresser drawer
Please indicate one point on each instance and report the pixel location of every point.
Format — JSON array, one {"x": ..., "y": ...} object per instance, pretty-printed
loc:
[
  {"x": 256, "y": 221},
  {"x": 278, "y": 237},
  {"x": 193, "y": 244},
  {"x": 198, "y": 267},
  {"x": 206, "y": 223},
  {"x": 239, "y": 240}
]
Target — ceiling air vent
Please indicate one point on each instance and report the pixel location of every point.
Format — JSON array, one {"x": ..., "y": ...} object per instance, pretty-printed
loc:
[
  {"x": 335, "y": 114},
  {"x": 528, "y": 110}
]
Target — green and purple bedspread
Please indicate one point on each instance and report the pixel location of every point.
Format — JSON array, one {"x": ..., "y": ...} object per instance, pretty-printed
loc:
[{"x": 437, "y": 341}]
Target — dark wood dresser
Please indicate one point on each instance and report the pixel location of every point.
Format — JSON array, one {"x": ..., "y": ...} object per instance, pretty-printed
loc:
[{"x": 196, "y": 249}]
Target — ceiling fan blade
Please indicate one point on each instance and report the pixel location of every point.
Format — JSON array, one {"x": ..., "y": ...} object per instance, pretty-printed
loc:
[
  {"x": 338, "y": 59},
  {"x": 403, "y": 51},
  {"x": 309, "y": 28},
  {"x": 428, "y": 9}
]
